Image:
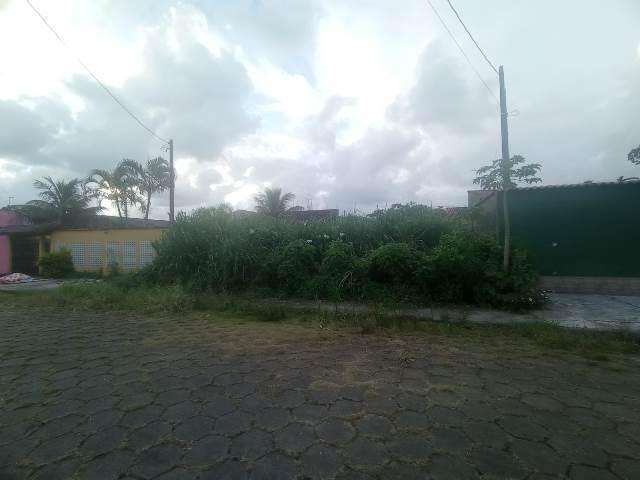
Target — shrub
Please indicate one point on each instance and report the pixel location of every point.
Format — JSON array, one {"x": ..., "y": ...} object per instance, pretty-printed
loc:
[
  {"x": 393, "y": 263},
  {"x": 339, "y": 260},
  {"x": 56, "y": 264},
  {"x": 297, "y": 265},
  {"x": 461, "y": 264},
  {"x": 467, "y": 267}
]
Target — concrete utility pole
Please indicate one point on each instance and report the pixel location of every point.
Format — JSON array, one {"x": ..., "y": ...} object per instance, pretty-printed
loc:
[
  {"x": 506, "y": 174},
  {"x": 172, "y": 184}
]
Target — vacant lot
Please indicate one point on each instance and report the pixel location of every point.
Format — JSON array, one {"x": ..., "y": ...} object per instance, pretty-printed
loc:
[{"x": 202, "y": 396}]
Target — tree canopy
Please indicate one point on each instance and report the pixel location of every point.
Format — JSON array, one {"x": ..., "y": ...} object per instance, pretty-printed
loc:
[
  {"x": 273, "y": 202},
  {"x": 60, "y": 200},
  {"x": 498, "y": 176}
]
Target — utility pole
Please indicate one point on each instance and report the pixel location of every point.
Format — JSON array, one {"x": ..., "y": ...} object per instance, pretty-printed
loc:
[
  {"x": 172, "y": 184},
  {"x": 506, "y": 176}
]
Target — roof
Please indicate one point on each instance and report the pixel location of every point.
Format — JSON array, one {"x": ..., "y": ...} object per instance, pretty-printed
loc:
[
  {"x": 97, "y": 222},
  {"x": 107, "y": 222},
  {"x": 578, "y": 185},
  {"x": 31, "y": 229}
]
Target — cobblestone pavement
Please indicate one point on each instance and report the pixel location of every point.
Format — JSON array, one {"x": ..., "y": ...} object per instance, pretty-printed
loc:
[{"x": 99, "y": 396}]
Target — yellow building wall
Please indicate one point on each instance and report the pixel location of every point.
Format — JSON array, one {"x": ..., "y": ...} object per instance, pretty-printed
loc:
[{"x": 95, "y": 250}]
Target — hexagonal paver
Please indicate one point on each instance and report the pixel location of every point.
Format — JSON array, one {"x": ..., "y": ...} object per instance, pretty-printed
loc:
[
  {"x": 295, "y": 437},
  {"x": 335, "y": 431}
]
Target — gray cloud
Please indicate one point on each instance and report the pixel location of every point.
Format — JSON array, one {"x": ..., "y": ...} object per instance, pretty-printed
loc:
[{"x": 441, "y": 96}]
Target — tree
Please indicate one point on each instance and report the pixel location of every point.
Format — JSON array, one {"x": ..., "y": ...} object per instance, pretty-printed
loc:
[
  {"x": 118, "y": 186},
  {"x": 272, "y": 202},
  {"x": 505, "y": 176},
  {"x": 152, "y": 178},
  {"x": 634, "y": 156},
  {"x": 59, "y": 201}
]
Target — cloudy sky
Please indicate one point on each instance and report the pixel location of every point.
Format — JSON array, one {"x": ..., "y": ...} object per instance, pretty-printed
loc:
[{"x": 348, "y": 104}]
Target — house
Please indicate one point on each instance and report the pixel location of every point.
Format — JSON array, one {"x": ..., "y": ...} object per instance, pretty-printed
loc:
[
  {"x": 96, "y": 243},
  {"x": 8, "y": 218},
  {"x": 583, "y": 237}
]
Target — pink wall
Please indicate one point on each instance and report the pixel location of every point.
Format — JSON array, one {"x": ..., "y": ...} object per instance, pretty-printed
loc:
[
  {"x": 8, "y": 218},
  {"x": 4, "y": 254}
]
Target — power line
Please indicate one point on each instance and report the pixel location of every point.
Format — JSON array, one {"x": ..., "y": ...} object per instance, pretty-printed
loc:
[
  {"x": 471, "y": 37},
  {"x": 462, "y": 50},
  {"x": 106, "y": 89}
]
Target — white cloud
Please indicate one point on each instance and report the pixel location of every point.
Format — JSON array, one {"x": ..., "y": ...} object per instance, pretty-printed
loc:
[{"x": 342, "y": 103}]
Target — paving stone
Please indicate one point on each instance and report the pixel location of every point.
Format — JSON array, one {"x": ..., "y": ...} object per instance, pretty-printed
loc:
[
  {"x": 194, "y": 428},
  {"x": 295, "y": 437},
  {"x": 537, "y": 456},
  {"x": 445, "y": 467},
  {"x": 217, "y": 406},
  {"x": 89, "y": 396},
  {"x": 579, "y": 449},
  {"x": 233, "y": 423},
  {"x": 181, "y": 411},
  {"x": 157, "y": 460},
  {"x": 310, "y": 413},
  {"x": 542, "y": 402},
  {"x": 106, "y": 467},
  {"x": 524, "y": 428},
  {"x": 411, "y": 447},
  {"x": 229, "y": 470},
  {"x": 366, "y": 453},
  {"x": 374, "y": 426},
  {"x": 60, "y": 470},
  {"x": 412, "y": 421},
  {"x": 449, "y": 440},
  {"x": 148, "y": 435},
  {"x": 177, "y": 474},
  {"x": 251, "y": 445},
  {"x": 335, "y": 431},
  {"x": 142, "y": 416},
  {"x": 104, "y": 441},
  {"x": 496, "y": 464},
  {"x": 274, "y": 467},
  {"x": 321, "y": 461},
  {"x": 583, "y": 472},
  {"x": 626, "y": 469},
  {"x": 272, "y": 418},
  {"x": 207, "y": 451}
]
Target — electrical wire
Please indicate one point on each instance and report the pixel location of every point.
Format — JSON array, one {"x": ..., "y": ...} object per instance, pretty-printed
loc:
[
  {"x": 462, "y": 51},
  {"x": 471, "y": 37},
  {"x": 106, "y": 89}
]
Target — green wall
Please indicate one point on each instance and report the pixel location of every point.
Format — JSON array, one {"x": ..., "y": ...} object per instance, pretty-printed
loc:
[{"x": 596, "y": 228}]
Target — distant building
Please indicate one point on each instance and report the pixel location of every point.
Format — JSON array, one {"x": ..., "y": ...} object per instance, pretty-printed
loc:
[
  {"x": 95, "y": 243},
  {"x": 583, "y": 237}
]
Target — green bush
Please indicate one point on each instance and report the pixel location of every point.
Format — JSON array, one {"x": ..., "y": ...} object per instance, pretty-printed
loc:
[
  {"x": 339, "y": 260},
  {"x": 56, "y": 264},
  {"x": 467, "y": 267},
  {"x": 407, "y": 253},
  {"x": 296, "y": 265},
  {"x": 393, "y": 263}
]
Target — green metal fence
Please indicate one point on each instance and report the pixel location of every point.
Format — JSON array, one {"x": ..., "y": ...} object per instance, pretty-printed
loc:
[{"x": 584, "y": 230}]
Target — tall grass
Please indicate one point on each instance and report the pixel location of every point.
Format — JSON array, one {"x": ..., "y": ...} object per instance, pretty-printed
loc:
[{"x": 212, "y": 248}]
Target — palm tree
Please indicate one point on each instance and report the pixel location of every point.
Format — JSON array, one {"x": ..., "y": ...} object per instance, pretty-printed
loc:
[
  {"x": 154, "y": 177},
  {"x": 272, "y": 202},
  {"x": 59, "y": 201},
  {"x": 118, "y": 186}
]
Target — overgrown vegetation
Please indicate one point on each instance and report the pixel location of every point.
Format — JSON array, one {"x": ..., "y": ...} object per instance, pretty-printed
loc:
[
  {"x": 56, "y": 264},
  {"x": 409, "y": 253}
]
